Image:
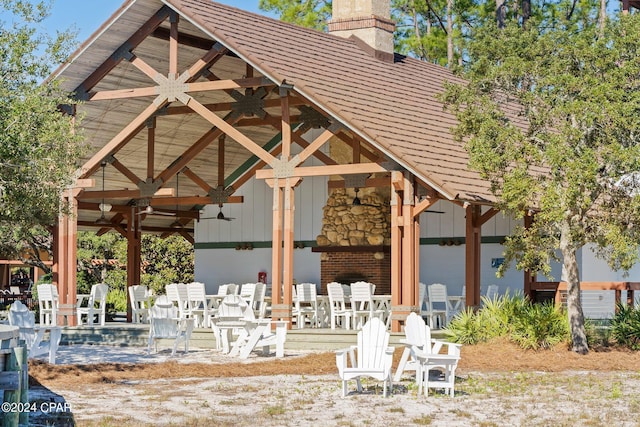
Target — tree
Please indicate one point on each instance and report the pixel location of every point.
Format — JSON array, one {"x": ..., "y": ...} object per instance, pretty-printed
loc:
[
  {"x": 309, "y": 13},
  {"x": 550, "y": 117},
  {"x": 39, "y": 144}
]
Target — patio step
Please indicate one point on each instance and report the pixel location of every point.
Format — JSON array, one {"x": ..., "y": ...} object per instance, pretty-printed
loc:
[{"x": 127, "y": 334}]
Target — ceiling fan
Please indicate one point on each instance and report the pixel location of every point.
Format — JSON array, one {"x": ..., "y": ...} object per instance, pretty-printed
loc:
[
  {"x": 149, "y": 210},
  {"x": 223, "y": 193},
  {"x": 220, "y": 215}
]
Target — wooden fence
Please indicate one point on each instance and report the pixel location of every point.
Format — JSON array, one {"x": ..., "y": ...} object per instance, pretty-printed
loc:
[{"x": 14, "y": 377}]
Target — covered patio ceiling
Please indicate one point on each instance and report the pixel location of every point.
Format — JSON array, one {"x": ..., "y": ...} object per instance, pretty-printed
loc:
[{"x": 175, "y": 140}]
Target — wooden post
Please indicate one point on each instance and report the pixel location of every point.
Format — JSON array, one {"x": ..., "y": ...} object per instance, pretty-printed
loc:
[
  {"x": 528, "y": 277},
  {"x": 278, "y": 310},
  {"x": 14, "y": 375},
  {"x": 287, "y": 273},
  {"x": 397, "y": 180},
  {"x": 65, "y": 257},
  {"x": 133, "y": 255},
  {"x": 472, "y": 256}
]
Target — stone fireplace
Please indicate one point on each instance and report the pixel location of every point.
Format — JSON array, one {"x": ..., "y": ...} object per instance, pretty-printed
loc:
[{"x": 355, "y": 239}]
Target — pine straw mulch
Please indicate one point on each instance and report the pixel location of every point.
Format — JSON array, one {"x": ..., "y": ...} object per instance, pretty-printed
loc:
[{"x": 491, "y": 357}]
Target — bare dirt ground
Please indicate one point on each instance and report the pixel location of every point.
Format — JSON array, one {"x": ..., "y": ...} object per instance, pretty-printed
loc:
[{"x": 497, "y": 384}]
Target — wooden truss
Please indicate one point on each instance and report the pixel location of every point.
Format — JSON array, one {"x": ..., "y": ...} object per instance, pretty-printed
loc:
[{"x": 173, "y": 93}]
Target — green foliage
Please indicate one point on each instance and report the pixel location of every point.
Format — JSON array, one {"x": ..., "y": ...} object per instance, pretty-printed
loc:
[
  {"x": 562, "y": 101},
  {"x": 164, "y": 261},
  {"x": 530, "y": 325},
  {"x": 625, "y": 326},
  {"x": 308, "y": 13},
  {"x": 39, "y": 146}
]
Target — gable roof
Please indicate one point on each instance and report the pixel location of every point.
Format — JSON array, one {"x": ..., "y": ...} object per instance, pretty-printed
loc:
[{"x": 391, "y": 105}]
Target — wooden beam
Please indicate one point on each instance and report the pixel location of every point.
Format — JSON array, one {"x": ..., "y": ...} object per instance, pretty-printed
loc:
[
  {"x": 396, "y": 249},
  {"x": 363, "y": 151},
  {"x": 326, "y": 170},
  {"x": 227, "y": 106},
  {"x": 125, "y": 171},
  {"x": 146, "y": 69},
  {"x": 472, "y": 256},
  {"x": 487, "y": 216},
  {"x": 123, "y": 93},
  {"x": 132, "y": 42},
  {"x": 173, "y": 44},
  {"x": 151, "y": 146},
  {"x": 196, "y": 179},
  {"x": 285, "y": 124},
  {"x": 229, "y": 84},
  {"x": 288, "y": 237},
  {"x": 369, "y": 182},
  {"x": 123, "y": 194},
  {"x": 184, "y": 39},
  {"x": 195, "y": 149},
  {"x": 316, "y": 144},
  {"x": 191, "y": 200},
  {"x": 118, "y": 141},
  {"x": 231, "y": 131},
  {"x": 423, "y": 206}
]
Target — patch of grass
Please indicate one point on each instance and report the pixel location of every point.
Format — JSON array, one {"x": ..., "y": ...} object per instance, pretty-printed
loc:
[
  {"x": 275, "y": 410},
  {"x": 425, "y": 420}
]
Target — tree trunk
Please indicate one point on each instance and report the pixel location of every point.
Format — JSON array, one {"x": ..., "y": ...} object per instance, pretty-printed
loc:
[
  {"x": 571, "y": 275},
  {"x": 526, "y": 12},
  {"x": 500, "y": 13},
  {"x": 602, "y": 15}
]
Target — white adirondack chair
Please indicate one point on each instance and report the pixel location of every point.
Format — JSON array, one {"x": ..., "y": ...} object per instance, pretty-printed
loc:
[
  {"x": 48, "y": 304},
  {"x": 140, "y": 303},
  {"x": 97, "y": 305},
  {"x": 178, "y": 294},
  {"x": 339, "y": 312},
  {"x": 362, "y": 305},
  {"x": 234, "y": 314},
  {"x": 306, "y": 305},
  {"x": 166, "y": 324},
  {"x": 21, "y": 316},
  {"x": 424, "y": 355},
  {"x": 371, "y": 357},
  {"x": 198, "y": 304},
  {"x": 437, "y": 305}
]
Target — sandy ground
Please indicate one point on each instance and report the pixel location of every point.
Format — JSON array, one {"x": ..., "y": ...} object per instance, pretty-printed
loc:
[{"x": 591, "y": 398}]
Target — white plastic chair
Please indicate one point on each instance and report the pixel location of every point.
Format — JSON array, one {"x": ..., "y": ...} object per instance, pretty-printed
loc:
[
  {"x": 48, "y": 304},
  {"x": 97, "y": 305},
  {"x": 362, "y": 305},
  {"x": 423, "y": 354},
  {"x": 259, "y": 306},
  {"x": 492, "y": 292},
  {"x": 339, "y": 312},
  {"x": 22, "y": 317},
  {"x": 178, "y": 294},
  {"x": 437, "y": 305},
  {"x": 140, "y": 303},
  {"x": 371, "y": 357},
  {"x": 306, "y": 305},
  {"x": 198, "y": 304},
  {"x": 422, "y": 299},
  {"x": 165, "y": 324}
]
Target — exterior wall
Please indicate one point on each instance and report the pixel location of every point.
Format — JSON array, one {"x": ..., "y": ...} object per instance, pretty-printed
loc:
[{"x": 369, "y": 268}]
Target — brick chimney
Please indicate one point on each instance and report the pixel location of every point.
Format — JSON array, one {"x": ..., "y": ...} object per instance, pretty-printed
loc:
[{"x": 368, "y": 20}]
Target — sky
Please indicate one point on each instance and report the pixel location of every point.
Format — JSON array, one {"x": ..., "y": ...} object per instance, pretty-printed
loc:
[{"x": 87, "y": 15}]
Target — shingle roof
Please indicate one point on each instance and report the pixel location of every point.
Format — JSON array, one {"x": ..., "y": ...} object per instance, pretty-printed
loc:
[{"x": 391, "y": 105}]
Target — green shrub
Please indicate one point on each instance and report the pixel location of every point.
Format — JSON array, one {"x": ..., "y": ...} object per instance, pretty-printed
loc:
[
  {"x": 541, "y": 325},
  {"x": 515, "y": 317},
  {"x": 625, "y": 326}
]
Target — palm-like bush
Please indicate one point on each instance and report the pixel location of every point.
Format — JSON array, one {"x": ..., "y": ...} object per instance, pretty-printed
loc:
[
  {"x": 625, "y": 326},
  {"x": 515, "y": 317}
]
